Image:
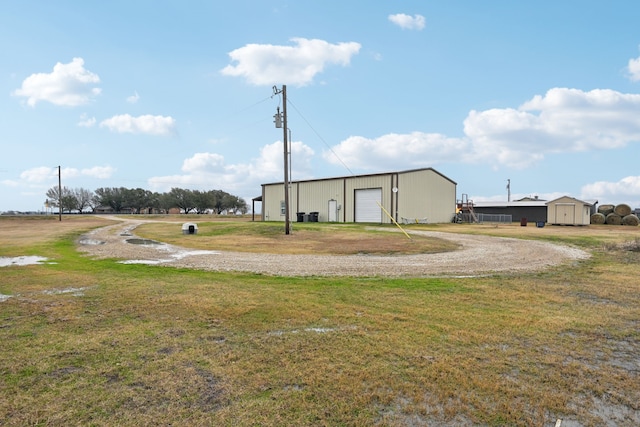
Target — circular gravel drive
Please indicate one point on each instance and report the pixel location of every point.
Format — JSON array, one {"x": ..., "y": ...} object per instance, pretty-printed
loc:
[{"x": 478, "y": 255}]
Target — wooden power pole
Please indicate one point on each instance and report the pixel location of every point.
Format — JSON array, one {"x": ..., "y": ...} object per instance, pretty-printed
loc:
[{"x": 283, "y": 124}]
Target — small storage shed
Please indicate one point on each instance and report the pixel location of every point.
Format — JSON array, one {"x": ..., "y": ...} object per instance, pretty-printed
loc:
[{"x": 568, "y": 211}]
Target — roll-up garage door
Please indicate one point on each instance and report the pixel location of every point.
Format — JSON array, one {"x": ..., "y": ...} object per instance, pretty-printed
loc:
[{"x": 367, "y": 209}]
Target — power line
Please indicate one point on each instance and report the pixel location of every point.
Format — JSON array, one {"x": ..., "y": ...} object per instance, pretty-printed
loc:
[{"x": 319, "y": 136}]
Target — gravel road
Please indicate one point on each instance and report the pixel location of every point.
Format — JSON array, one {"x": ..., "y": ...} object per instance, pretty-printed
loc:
[{"x": 478, "y": 255}]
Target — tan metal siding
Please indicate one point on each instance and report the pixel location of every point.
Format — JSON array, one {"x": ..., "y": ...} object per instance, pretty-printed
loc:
[
  {"x": 421, "y": 193},
  {"x": 368, "y": 182},
  {"x": 273, "y": 195},
  {"x": 425, "y": 194},
  {"x": 314, "y": 196}
]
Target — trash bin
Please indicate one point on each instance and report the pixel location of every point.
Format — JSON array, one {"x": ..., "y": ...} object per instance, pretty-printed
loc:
[
  {"x": 540, "y": 224},
  {"x": 300, "y": 216},
  {"x": 523, "y": 222},
  {"x": 313, "y": 216}
]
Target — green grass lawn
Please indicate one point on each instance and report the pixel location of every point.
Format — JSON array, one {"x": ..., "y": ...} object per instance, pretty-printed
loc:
[{"x": 88, "y": 342}]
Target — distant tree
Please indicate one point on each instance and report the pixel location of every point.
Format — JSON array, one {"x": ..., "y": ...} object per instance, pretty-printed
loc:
[
  {"x": 112, "y": 197},
  {"x": 239, "y": 204},
  {"x": 203, "y": 201},
  {"x": 65, "y": 202},
  {"x": 94, "y": 202},
  {"x": 229, "y": 202},
  {"x": 83, "y": 199},
  {"x": 183, "y": 199},
  {"x": 137, "y": 199},
  {"x": 155, "y": 200},
  {"x": 218, "y": 200},
  {"x": 164, "y": 201},
  {"x": 53, "y": 197}
]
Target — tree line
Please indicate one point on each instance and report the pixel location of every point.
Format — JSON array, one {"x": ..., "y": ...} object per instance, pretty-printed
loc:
[{"x": 139, "y": 200}]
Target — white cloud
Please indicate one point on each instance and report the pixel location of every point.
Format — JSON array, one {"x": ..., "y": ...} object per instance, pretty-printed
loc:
[
  {"x": 397, "y": 151},
  {"x": 408, "y": 22},
  {"x": 68, "y": 85},
  {"x": 10, "y": 183},
  {"x": 622, "y": 191},
  {"x": 86, "y": 121},
  {"x": 146, "y": 124},
  {"x": 264, "y": 65},
  {"x": 101, "y": 172},
  {"x": 563, "y": 120},
  {"x": 634, "y": 69},
  {"x": 45, "y": 174},
  {"x": 39, "y": 175},
  {"x": 209, "y": 171},
  {"x": 204, "y": 162},
  {"x": 133, "y": 98}
]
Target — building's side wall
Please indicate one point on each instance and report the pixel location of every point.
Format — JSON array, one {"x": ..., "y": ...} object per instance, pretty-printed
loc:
[
  {"x": 531, "y": 213},
  {"x": 314, "y": 196},
  {"x": 366, "y": 182},
  {"x": 586, "y": 215},
  {"x": 272, "y": 195},
  {"x": 421, "y": 194},
  {"x": 425, "y": 194}
]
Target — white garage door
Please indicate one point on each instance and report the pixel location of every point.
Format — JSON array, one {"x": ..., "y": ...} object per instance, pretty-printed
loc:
[{"x": 367, "y": 209}]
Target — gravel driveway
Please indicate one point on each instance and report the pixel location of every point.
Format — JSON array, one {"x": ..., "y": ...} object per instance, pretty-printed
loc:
[{"x": 479, "y": 255}]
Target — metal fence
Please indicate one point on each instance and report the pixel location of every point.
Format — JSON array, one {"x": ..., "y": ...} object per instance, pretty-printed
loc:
[{"x": 482, "y": 217}]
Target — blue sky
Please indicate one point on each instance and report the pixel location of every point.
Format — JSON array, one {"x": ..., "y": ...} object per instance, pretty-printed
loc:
[{"x": 161, "y": 94}]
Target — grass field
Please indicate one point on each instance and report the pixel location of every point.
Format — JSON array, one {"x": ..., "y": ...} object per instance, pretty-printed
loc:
[{"x": 96, "y": 342}]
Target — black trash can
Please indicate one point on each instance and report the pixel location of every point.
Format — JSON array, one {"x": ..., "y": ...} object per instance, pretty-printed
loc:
[
  {"x": 313, "y": 216},
  {"x": 300, "y": 216}
]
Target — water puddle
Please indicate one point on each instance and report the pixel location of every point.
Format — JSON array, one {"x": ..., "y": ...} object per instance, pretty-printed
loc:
[
  {"x": 145, "y": 261},
  {"x": 91, "y": 242},
  {"x": 137, "y": 241},
  {"x": 21, "y": 260},
  {"x": 76, "y": 292},
  {"x": 314, "y": 330}
]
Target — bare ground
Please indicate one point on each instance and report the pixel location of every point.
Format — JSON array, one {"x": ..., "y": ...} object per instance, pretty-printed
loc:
[{"x": 478, "y": 255}]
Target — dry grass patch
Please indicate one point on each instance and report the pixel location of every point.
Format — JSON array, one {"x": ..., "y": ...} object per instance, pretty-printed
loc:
[
  {"x": 23, "y": 232},
  {"x": 304, "y": 239},
  {"x": 147, "y": 345}
]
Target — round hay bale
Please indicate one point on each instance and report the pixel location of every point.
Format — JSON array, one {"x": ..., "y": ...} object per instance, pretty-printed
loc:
[
  {"x": 598, "y": 218},
  {"x": 631, "y": 219},
  {"x": 613, "y": 219},
  {"x": 622, "y": 209},
  {"x": 605, "y": 209}
]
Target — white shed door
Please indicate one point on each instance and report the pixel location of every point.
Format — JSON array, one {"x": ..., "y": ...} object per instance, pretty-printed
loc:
[
  {"x": 367, "y": 209},
  {"x": 566, "y": 213}
]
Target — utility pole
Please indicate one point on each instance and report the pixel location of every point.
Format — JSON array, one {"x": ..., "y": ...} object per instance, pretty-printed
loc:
[
  {"x": 59, "y": 194},
  {"x": 508, "y": 190},
  {"x": 283, "y": 124}
]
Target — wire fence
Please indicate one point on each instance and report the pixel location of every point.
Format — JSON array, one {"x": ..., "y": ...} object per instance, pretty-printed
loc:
[{"x": 503, "y": 218}]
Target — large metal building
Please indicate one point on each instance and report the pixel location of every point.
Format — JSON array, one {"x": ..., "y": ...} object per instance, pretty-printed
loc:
[{"x": 419, "y": 195}]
